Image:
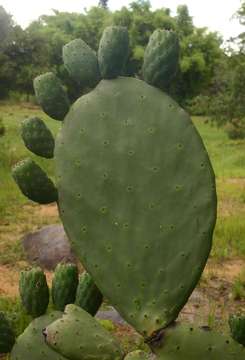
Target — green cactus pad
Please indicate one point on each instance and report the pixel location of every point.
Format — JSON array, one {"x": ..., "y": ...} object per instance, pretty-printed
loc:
[
  {"x": 34, "y": 183},
  {"x": 51, "y": 96},
  {"x": 88, "y": 296},
  {"x": 82, "y": 64},
  {"x": 161, "y": 58},
  {"x": 78, "y": 336},
  {"x": 138, "y": 355},
  {"x": 237, "y": 327},
  {"x": 7, "y": 335},
  {"x": 37, "y": 137},
  {"x": 31, "y": 344},
  {"x": 113, "y": 51},
  {"x": 137, "y": 198},
  {"x": 34, "y": 291},
  {"x": 182, "y": 342},
  {"x": 64, "y": 285}
]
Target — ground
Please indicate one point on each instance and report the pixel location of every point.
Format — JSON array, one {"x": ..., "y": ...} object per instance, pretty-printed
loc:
[{"x": 222, "y": 287}]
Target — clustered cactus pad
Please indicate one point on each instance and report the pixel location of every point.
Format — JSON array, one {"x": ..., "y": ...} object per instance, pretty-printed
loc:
[
  {"x": 31, "y": 344},
  {"x": 161, "y": 58},
  {"x": 78, "y": 336},
  {"x": 34, "y": 183},
  {"x": 64, "y": 285},
  {"x": 37, "y": 137},
  {"x": 7, "y": 335},
  {"x": 81, "y": 63},
  {"x": 34, "y": 291},
  {"x": 88, "y": 296}
]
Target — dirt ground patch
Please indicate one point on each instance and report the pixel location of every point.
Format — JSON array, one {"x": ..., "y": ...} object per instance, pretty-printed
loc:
[{"x": 9, "y": 284}]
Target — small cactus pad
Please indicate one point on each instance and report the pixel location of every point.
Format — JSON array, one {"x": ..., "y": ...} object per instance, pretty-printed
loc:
[
  {"x": 183, "y": 342},
  {"x": 113, "y": 51},
  {"x": 88, "y": 296},
  {"x": 137, "y": 198},
  {"x": 161, "y": 58},
  {"x": 7, "y": 335},
  {"x": 78, "y": 336},
  {"x": 82, "y": 64},
  {"x": 31, "y": 344},
  {"x": 51, "y": 96},
  {"x": 64, "y": 285},
  {"x": 37, "y": 137},
  {"x": 33, "y": 182},
  {"x": 34, "y": 291},
  {"x": 138, "y": 355},
  {"x": 237, "y": 327}
]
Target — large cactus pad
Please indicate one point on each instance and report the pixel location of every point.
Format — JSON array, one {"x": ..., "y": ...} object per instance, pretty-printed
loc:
[{"x": 137, "y": 198}]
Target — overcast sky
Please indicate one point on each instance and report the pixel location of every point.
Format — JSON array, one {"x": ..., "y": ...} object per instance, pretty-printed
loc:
[{"x": 215, "y": 14}]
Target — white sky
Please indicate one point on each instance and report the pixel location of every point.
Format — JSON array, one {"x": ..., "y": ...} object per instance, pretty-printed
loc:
[{"x": 215, "y": 14}]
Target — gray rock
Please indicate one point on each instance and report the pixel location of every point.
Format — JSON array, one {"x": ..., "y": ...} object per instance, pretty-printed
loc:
[
  {"x": 48, "y": 246},
  {"x": 110, "y": 314}
]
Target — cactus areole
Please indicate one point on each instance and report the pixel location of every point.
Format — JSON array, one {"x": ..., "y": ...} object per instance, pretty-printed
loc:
[{"x": 137, "y": 198}]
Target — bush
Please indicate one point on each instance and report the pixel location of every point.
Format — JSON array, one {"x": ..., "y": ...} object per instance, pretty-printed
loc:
[
  {"x": 235, "y": 129},
  {"x": 199, "y": 106}
]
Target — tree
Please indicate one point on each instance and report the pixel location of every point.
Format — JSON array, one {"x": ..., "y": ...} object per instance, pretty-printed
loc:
[
  {"x": 184, "y": 21},
  {"x": 6, "y": 24}
]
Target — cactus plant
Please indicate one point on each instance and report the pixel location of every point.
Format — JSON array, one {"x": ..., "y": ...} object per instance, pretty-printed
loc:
[
  {"x": 34, "y": 291},
  {"x": 31, "y": 344},
  {"x": 7, "y": 335},
  {"x": 88, "y": 296},
  {"x": 237, "y": 327},
  {"x": 64, "y": 285},
  {"x": 136, "y": 189},
  {"x": 78, "y": 336}
]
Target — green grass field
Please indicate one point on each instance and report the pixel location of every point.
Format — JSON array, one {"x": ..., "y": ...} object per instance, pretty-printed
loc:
[{"x": 16, "y": 216}]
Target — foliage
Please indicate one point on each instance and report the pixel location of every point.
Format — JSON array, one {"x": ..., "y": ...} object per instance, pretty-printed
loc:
[{"x": 38, "y": 48}]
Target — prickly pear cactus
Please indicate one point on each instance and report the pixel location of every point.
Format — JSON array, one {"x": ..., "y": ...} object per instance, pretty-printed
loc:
[
  {"x": 237, "y": 327},
  {"x": 31, "y": 344},
  {"x": 7, "y": 335},
  {"x": 34, "y": 291},
  {"x": 64, "y": 285},
  {"x": 182, "y": 342},
  {"x": 88, "y": 296},
  {"x": 136, "y": 190},
  {"x": 78, "y": 336}
]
